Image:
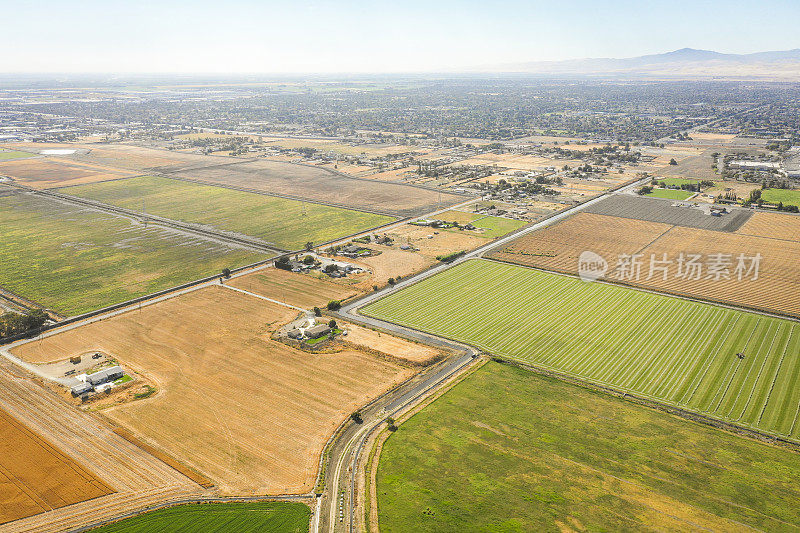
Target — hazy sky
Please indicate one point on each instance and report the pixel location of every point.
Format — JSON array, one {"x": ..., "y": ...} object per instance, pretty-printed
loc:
[{"x": 372, "y": 36}]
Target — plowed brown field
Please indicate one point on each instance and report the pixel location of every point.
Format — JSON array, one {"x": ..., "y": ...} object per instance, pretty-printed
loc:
[
  {"x": 775, "y": 236},
  {"x": 301, "y": 290},
  {"x": 36, "y": 477},
  {"x": 251, "y": 413},
  {"x": 41, "y": 173}
]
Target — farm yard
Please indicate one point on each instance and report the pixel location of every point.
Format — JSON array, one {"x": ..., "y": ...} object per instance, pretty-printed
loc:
[
  {"x": 288, "y": 224},
  {"x": 489, "y": 227},
  {"x": 301, "y": 290},
  {"x": 509, "y": 450},
  {"x": 775, "y": 237},
  {"x": 43, "y": 173},
  {"x": 251, "y": 413},
  {"x": 36, "y": 477},
  {"x": 256, "y": 517},
  {"x": 676, "y": 351},
  {"x": 74, "y": 260},
  {"x": 135, "y": 478}
]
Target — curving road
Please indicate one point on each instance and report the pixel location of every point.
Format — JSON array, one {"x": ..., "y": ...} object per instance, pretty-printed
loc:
[{"x": 336, "y": 505}]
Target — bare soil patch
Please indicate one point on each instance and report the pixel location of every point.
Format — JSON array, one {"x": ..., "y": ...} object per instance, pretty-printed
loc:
[
  {"x": 42, "y": 173},
  {"x": 392, "y": 346}
]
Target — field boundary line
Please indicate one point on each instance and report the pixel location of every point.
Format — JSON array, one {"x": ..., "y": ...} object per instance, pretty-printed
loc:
[
  {"x": 689, "y": 414},
  {"x": 674, "y": 408},
  {"x": 667, "y": 293}
]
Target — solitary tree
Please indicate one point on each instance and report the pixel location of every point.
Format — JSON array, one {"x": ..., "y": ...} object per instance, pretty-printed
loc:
[
  {"x": 332, "y": 324},
  {"x": 673, "y": 162},
  {"x": 226, "y": 272},
  {"x": 390, "y": 423},
  {"x": 309, "y": 246},
  {"x": 317, "y": 311}
]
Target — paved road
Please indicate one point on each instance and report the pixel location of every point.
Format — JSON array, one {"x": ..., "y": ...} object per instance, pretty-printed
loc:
[{"x": 338, "y": 501}]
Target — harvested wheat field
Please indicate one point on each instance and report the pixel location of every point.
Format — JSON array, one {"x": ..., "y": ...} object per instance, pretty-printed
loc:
[
  {"x": 776, "y": 289},
  {"x": 412, "y": 352},
  {"x": 558, "y": 247},
  {"x": 42, "y": 173},
  {"x": 35, "y": 477},
  {"x": 249, "y": 412},
  {"x": 137, "y": 478},
  {"x": 301, "y": 290},
  {"x": 772, "y": 225}
]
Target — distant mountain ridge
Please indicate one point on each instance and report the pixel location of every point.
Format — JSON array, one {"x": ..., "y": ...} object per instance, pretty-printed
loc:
[{"x": 686, "y": 62}]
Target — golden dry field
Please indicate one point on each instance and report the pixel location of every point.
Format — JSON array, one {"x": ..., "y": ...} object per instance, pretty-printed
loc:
[
  {"x": 775, "y": 236},
  {"x": 249, "y": 412},
  {"x": 36, "y": 477}
]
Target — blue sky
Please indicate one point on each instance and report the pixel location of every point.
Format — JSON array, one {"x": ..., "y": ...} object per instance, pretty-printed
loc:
[{"x": 232, "y": 36}]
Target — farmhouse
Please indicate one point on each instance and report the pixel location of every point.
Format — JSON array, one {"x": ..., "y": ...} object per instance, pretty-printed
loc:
[
  {"x": 104, "y": 376},
  {"x": 315, "y": 332}
]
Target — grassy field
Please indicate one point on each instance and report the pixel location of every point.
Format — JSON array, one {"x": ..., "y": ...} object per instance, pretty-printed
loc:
[
  {"x": 6, "y": 155},
  {"x": 671, "y": 194},
  {"x": 273, "y": 219},
  {"x": 268, "y": 517},
  {"x": 492, "y": 226},
  {"x": 674, "y": 350},
  {"x": 74, "y": 260},
  {"x": 787, "y": 196},
  {"x": 508, "y": 450}
]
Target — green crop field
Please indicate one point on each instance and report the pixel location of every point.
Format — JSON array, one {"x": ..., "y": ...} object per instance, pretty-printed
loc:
[
  {"x": 508, "y": 450},
  {"x": 673, "y": 350},
  {"x": 670, "y": 194},
  {"x": 492, "y": 226},
  {"x": 787, "y": 196},
  {"x": 74, "y": 260},
  {"x": 271, "y": 517},
  {"x": 5, "y": 155},
  {"x": 289, "y": 224}
]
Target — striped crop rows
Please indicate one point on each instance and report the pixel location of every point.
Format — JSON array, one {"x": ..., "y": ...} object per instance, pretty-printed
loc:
[{"x": 669, "y": 349}]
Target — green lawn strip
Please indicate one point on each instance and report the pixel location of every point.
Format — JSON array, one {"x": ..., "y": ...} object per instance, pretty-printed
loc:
[
  {"x": 673, "y": 350},
  {"x": 241, "y": 517},
  {"x": 289, "y": 224},
  {"x": 509, "y": 450},
  {"x": 75, "y": 260},
  {"x": 493, "y": 226},
  {"x": 787, "y": 196},
  {"x": 671, "y": 194},
  {"x": 14, "y": 154}
]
